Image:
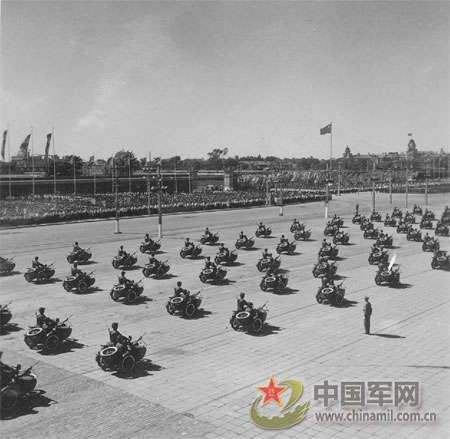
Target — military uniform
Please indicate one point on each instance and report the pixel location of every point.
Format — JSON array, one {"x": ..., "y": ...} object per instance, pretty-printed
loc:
[{"x": 367, "y": 312}]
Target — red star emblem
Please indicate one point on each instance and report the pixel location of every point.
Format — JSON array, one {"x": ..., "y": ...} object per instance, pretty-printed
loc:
[{"x": 271, "y": 392}]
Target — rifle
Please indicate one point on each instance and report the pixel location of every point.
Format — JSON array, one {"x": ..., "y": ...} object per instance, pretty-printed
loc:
[
  {"x": 140, "y": 338},
  {"x": 197, "y": 293},
  {"x": 29, "y": 369},
  {"x": 66, "y": 320},
  {"x": 5, "y": 306}
]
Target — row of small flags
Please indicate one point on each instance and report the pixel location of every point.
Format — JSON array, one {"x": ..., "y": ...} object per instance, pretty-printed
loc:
[{"x": 24, "y": 146}]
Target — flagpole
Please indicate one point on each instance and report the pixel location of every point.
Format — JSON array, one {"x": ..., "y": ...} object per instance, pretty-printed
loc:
[
  {"x": 331, "y": 144},
  {"x": 54, "y": 163},
  {"x": 74, "y": 175},
  {"x": 112, "y": 174},
  {"x": 32, "y": 158},
  {"x": 9, "y": 165},
  {"x": 95, "y": 180},
  {"x": 129, "y": 174}
]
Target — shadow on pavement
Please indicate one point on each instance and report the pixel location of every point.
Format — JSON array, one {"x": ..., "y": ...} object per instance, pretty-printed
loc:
[
  {"x": 235, "y": 264},
  {"x": 28, "y": 405},
  {"x": 200, "y": 314},
  {"x": 226, "y": 282},
  {"x": 267, "y": 330},
  {"x": 402, "y": 286},
  {"x": 348, "y": 303},
  {"x": 87, "y": 263},
  {"x": 139, "y": 300},
  {"x": 68, "y": 345},
  {"x": 143, "y": 368},
  {"x": 388, "y": 335},
  {"x": 287, "y": 291},
  {"x": 10, "y": 327},
  {"x": 11, "y": 273}
]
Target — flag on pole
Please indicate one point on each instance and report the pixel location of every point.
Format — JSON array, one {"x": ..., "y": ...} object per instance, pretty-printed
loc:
[
  {"x": 409, "y": 134},
  {"x": 157, "y": 160},
  {"x": 23, "y": 149},
  {"x": 143, "y": 162},
  {"x": 47, "y": 146},
  {"x": 326, "y": 129},
  {"x": 5, "y": 133}
]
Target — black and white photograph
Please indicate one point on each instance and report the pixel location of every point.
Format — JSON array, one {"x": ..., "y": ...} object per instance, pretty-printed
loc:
[{"x": 225, "y": 219}]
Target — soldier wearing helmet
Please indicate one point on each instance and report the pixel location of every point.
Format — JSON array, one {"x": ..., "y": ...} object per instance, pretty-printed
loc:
[
  {"x": 241, "y": 302},
  {"x": 36, "y": 264},
  {"x": 75, "y": 271}
]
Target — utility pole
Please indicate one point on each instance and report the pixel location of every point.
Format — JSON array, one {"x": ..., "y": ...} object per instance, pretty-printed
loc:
[
  {"x": 160, "y": 232},
  {"x": 148, "y": 191},
  {"x": 390, "y": 186},
  {"x": 373, "y": 186},
  {"x": 176, "y": 179},
  {"x": 406, "y": 186},
  {"x": 426, "y": 180},
  {"x": 189, "y": 180},
  {"x": 326, "y": 192},
  {"x": 117, "y": 200},
  {"x": 281, "y": 197},
  {"x": 339, "y": 181}
]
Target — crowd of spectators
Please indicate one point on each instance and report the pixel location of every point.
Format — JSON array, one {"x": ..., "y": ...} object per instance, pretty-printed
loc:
[{"x": 42, "y": 209}]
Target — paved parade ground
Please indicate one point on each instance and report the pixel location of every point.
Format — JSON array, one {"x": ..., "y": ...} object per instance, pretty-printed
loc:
[{"x": 199, "y": 377}]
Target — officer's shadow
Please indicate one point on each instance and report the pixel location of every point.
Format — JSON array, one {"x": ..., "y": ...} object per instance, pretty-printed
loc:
[
  {"x": 348, "y": 303},
  {"x": 387, "y": 335}
]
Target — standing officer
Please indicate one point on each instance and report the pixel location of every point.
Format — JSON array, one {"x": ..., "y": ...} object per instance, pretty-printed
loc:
[{"x": 367, "y": 312}]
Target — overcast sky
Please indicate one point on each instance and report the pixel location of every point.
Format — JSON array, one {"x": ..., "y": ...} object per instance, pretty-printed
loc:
[{"x": 183, "y": 78}]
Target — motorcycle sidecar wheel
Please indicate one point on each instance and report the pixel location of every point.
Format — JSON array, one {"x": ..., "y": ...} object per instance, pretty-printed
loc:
[
  {"x": 42, "y": 278},
  {"x": 257, "y": 326},
  {"x": 9, "y": 399},
  {"x": 131, "y": 296},
  {"x": 378, "y": 280},
  {"x": 190, "y": 310},
  {"x": 263, "y": 286},
  {"x": 339, "y": 299},
  {"x": 170, "y": 309},
  {"x": 319, "y": 298},
  {"x": 52, "y": 342},
  {"x": 127, "y": 364},
  {"x": 82, "y": 286}
]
